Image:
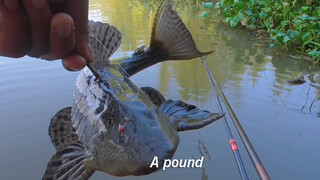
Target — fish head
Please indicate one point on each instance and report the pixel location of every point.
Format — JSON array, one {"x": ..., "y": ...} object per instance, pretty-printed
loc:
[{"x": 131, "y": 134}]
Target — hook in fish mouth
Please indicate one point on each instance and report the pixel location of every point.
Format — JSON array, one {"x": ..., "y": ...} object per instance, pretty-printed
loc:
[{"x": 95, "y": 73}]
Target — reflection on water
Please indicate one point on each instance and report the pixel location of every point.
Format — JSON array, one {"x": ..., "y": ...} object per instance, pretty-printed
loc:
[
  {"x": 203, "y": 149},
  {"x": 280, "y": 119}
]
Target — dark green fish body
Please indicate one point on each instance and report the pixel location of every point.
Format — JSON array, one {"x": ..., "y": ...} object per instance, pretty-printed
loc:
[
  {"x": 114, "y": 126},
  {"x": 142, "y": 59},
  {"x": 119, "y": 125}
]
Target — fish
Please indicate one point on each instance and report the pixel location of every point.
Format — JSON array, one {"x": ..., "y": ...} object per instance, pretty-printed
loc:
[{"x": 114, "y": 126}]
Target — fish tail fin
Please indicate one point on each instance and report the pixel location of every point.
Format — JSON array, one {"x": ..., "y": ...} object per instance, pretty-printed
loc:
[
  {"x": 170, "y": 40},
  {"x": 171, "y": 35},
  {"x": 68, "y": 162}
]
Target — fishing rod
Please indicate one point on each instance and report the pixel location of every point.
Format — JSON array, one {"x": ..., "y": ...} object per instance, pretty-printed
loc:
[
  {"x": 251, "y": 152},
  {"x": 232, "y": 141}
]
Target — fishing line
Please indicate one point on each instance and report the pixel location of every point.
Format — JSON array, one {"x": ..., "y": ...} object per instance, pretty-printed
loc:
[
  {"x": 232, "y": 141},
  {"x": 200, "y": 139},
  {"x": 196, "y": 85},
  {"x": 250, "y": 150},
  {"x": 92, "y": 35},
  {"x": 99, "y": 77}
]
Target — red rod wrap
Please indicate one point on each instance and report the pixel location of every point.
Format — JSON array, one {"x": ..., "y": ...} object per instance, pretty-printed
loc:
[{"x": 233, "y": 145}]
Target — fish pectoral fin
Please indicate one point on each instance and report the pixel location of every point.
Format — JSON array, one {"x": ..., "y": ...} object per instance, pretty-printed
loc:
[
  {"x": 155, "y": 96},
  {"x": 61, "y": 130},
  {"x": 189, "y": 117},
  {"x": 68, "y": 163}
]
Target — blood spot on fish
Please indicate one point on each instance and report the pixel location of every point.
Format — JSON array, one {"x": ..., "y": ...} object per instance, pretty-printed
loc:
[
  {"x": 126, "y": 120},
  {"x": 121, "y": 128}
]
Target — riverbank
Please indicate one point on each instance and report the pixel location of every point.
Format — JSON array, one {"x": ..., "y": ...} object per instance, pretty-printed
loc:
[{"x": 292, "y": 25}]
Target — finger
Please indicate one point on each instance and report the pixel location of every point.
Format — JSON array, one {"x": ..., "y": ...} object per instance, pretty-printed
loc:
[
  {"x": 39, "y": 16},
  {"x": 57, "y": 1},
  {"x": 62, "y": 36},
  {"x": 14, "y": 29},
  {"x": 79, "y": 12},
  {"x": 74, "y": 62}
]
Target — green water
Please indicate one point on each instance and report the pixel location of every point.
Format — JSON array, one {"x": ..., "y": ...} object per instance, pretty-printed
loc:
[{"x": 281, "y": 120}]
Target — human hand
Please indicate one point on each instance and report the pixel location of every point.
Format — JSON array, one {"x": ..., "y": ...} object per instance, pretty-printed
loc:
[{"x": 49, "y": 29}]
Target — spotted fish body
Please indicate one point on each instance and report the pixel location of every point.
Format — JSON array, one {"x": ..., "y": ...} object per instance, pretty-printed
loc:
[
  {"x": 116, "y": 103},
  {"x": 114, "y": 126}
]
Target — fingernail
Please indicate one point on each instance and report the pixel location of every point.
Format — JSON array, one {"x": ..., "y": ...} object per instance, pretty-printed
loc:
[
  {"x": 70, "y": 68},
  {"x": 75, "y": 69},
  {"x": 48, "y": 57},
  {"x": 11, "y": 4},
  {"x": 64, "y": 30},
  {"x": 38, "y": 3}
]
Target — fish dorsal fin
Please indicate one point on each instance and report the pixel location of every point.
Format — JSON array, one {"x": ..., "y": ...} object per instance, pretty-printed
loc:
[
  {"x": 189, "y": 117},
  {"x": 172, "y": 35},
  {"x": 104, "y": 40}
]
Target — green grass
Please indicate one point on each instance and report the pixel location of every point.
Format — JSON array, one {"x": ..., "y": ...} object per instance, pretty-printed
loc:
[{"x": 291, "y": 24}]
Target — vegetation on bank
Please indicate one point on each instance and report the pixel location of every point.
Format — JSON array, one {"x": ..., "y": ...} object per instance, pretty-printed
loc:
[{"x": 290, "y": 24}]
